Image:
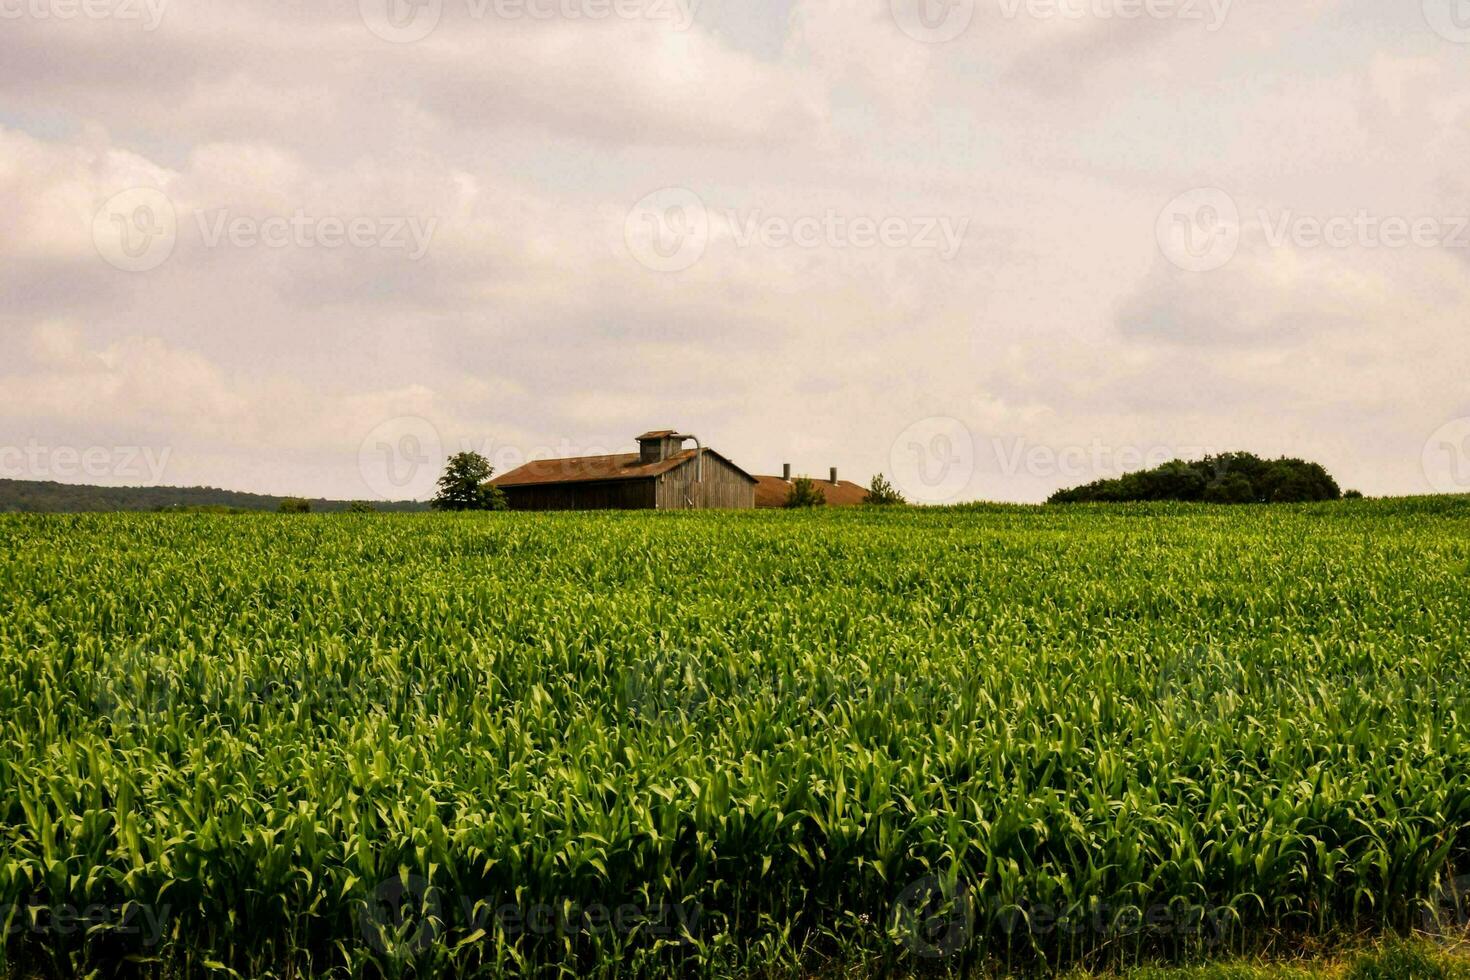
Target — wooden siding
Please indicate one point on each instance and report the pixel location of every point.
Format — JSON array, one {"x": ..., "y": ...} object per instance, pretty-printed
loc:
[
  {"x": 724, "y": 487},
  {"x": 612, "y": 495}
]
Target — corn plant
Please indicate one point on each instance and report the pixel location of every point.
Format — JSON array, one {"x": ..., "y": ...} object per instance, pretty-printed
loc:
[{"x": 728, "y": 745}]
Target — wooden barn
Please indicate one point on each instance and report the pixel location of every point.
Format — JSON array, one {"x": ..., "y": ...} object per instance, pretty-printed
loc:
[{"x": 662, "y": 475}]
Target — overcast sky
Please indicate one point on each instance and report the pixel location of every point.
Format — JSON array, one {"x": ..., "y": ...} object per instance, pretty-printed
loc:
[{"x": 990, "y": 247}]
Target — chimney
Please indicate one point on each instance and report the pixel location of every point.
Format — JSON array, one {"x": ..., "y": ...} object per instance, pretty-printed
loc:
[
  {"x": 786, "y": 472},
  {"x": 834, "y": 476}
]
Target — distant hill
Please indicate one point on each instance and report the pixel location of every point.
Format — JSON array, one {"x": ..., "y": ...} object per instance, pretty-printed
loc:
[{"x": 36, "y": 497}]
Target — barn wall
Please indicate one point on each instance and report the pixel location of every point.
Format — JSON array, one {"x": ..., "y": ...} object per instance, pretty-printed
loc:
[
  {"x": 724, "y": 487},
  {"x": 617, "y": 495}
]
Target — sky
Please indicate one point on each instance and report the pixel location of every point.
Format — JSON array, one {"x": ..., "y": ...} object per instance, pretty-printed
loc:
[{"x": 987, "y": 247}]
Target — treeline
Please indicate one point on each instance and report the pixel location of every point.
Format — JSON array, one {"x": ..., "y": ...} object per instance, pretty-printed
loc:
[
  {"x": 38, "y": 497},
  {"x": 1229, "y": 478}
]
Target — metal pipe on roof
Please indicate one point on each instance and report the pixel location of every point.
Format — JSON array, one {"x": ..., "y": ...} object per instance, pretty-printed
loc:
[
  {"x": 698, "y": 455},
  {"x": 698, "y": 465}
]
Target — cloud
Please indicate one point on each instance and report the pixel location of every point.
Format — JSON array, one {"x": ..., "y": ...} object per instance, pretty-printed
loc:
[
  {"x": 521, "y": 147},
  {"x": 226, "y": 71},
  {"x": 1265, "y": 298}
]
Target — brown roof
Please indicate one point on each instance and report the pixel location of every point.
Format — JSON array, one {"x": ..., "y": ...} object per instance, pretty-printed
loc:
[
  {"x": 658, "y": 434},
  {"x": 771, "y": 491},
  {"x": 597, "y": 469}
]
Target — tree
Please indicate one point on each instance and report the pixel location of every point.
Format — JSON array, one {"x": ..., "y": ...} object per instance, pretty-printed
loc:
[
  {"x": 1293, "y": 488},
  {"x": 805, "y": 493},
  {"x": 1232, "y": 488},
  {"x": 361, "y": 507},
  {"x": 295, "y": 505},
  {"x": 465, "y": 485},
  {"x": 883, "y": 493},
  {"x": 1229, "y": 478},
  {"x": 1172, "y": 481}
]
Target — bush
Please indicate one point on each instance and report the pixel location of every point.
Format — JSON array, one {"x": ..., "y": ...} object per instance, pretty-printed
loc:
[
  {"x": 883, "y": 493},
  {"x": 361, "y": 507},
  {"x": 805, "y": 493},
  {"x": 295, "y": 505},
  {"x": 1230, "y": 478}
]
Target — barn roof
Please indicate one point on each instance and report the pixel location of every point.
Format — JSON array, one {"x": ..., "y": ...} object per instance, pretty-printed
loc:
[
  {"x": 771, "y": 491},
  {"x": 599, "y": 469}
]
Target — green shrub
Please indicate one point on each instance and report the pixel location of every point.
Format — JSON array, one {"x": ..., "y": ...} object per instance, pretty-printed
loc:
[
  {"x": 883, "y": 493},
  {"x": 805, "y": 493}
]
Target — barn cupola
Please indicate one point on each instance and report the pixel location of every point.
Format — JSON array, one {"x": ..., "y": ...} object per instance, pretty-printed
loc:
[{"x": 655, "y": 447}]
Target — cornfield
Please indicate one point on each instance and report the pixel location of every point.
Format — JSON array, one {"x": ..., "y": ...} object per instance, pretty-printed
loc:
[{"x": 728, "y": 745}]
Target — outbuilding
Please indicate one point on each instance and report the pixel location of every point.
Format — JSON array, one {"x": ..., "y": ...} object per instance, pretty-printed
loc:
[
  {"x": 662, "y": 475},
  {"x": 772, "y": 491}
]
